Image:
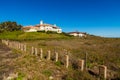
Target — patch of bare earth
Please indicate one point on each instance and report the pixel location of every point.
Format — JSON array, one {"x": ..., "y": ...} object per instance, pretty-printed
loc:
[{"x": 6, "y": 61}]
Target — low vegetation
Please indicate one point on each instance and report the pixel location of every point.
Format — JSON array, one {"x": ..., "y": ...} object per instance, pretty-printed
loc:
[
  {"x": 9, "y": 26},
  {"x": 99, "y": 50}
]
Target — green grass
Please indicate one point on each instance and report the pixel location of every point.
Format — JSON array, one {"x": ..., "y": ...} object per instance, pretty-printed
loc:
[
  {"x": 58, "y": 63},
  {"x": 20, "y": 76},
  {"x": 11, "y": 35},
  {"x": 19, "y": 35}
]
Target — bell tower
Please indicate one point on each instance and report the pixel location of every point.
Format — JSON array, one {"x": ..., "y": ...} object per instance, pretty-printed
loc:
[{"x": 41, "y": 22}]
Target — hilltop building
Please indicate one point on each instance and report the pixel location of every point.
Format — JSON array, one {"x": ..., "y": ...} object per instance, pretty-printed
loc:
[
  {"x": 79, "y": 34},
  {"x": 42, "y": 27}
]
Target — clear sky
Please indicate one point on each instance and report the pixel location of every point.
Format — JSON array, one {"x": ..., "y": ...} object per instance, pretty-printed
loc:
[{"x": 98, "y": 17}]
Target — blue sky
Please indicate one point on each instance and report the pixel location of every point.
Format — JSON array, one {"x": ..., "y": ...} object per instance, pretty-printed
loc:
[{"x": 97, "y": 17}]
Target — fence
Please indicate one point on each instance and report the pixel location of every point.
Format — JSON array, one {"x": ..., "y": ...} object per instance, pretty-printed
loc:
[{"x": 56, "y": 57}]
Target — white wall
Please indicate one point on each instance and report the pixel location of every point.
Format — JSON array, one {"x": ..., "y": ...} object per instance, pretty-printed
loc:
[
  {"x": 31, "y": 30},
  {"x": 50, "y": 28},
  {"x": 80, "y": 34}
]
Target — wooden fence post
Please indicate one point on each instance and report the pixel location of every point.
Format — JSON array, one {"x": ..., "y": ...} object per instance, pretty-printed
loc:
[
  {"x": 41, "y": 53},
  {"x": 49, "y": 55},
  {"x": 25, "y": 48},
  {"x": 19, "y": 45},
  {"x": 81, "y": 64},
  {"x": 36, "y": 52},
  {"x": 103, "y": 71},
  {"x": 67, "y": 61},
  {"x": 56, "y": 56},
  {"x": 7, "y": 42},
  {"x": 22, "y": 47},
  {"x": 32, "y": 51}
]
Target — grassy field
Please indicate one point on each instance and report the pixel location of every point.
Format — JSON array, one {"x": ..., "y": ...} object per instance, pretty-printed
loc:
[{"x": 100, "y": 51}]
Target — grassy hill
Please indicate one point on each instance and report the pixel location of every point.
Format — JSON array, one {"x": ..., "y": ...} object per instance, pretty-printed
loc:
[
  {"x": 19, "y": 35},
  {"x": 100, "y": 51}
]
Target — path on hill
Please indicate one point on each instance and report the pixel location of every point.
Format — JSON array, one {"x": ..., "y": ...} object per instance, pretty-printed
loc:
[{"x": 6, "y": 60}]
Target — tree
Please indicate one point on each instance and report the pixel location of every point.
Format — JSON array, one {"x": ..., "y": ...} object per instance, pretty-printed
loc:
[{"x": 9, "y": 26}]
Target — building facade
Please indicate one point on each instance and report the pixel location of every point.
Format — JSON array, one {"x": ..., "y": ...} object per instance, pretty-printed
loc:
[
  {"x": 42, "y": 27},
  {"x": 79, "y": 34}
]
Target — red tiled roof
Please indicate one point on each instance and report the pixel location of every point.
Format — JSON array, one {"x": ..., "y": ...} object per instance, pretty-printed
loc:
[
  {"x": 39, "y": 25},
  {"x": 29, "y": 27}
]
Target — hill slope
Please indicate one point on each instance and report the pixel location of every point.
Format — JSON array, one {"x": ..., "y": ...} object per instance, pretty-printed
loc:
[{"x": 100, "y": 51}]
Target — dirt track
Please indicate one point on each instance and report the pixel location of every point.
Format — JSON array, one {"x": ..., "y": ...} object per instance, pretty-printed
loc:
[{"x": 6, "y": 60}]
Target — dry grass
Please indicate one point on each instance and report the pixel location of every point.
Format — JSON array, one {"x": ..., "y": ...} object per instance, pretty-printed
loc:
[{"x": 101, "y": 51}]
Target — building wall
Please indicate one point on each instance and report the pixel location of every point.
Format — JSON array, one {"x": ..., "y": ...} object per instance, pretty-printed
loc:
[
  {"x": 76, "y": 34},
  {"x": 81, "y": 35},
  {"x": 44, "y": 27},
  {"x": 50, "y": 28},
  {"x": 31, "y": 30}
]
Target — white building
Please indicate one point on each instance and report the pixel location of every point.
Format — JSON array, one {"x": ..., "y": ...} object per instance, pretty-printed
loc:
[
  {"x": 42, "y": 27},
  {"x": 30, "y": 29},
  {"x": 79, "y": 34}
]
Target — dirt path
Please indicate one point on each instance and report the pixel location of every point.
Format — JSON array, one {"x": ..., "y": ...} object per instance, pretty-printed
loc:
[{"x": 6, "y": 61}]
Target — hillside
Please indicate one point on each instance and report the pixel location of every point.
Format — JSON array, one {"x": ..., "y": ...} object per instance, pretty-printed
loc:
[
  {"x": 100, "y": 51},
  {"x": 21, "y": 36}
]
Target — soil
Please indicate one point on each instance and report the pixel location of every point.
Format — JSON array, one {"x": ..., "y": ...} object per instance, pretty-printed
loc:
[{"x": 6, "y": 61}]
